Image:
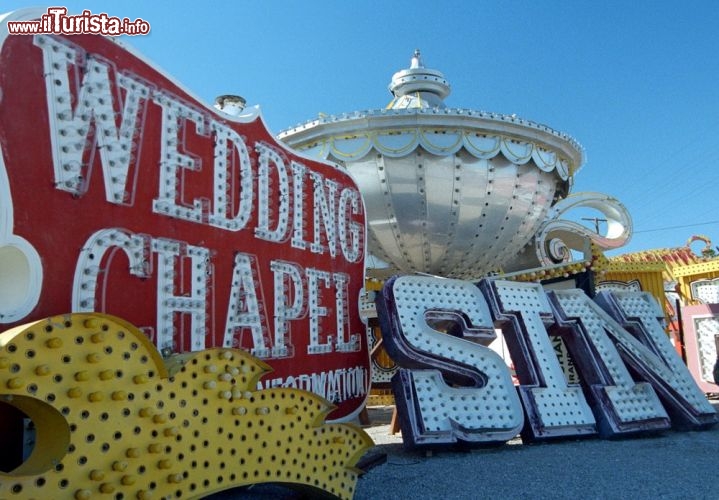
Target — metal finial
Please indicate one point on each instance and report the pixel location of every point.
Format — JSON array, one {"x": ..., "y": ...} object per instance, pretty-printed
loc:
[{"x": 416, "y": 60}]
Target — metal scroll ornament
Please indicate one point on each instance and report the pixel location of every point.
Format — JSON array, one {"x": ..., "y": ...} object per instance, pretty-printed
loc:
[{"x": 561, "y": 239}]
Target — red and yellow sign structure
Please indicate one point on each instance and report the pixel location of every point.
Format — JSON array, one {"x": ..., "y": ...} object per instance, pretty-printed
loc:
[{"x": 122, "y": 194}]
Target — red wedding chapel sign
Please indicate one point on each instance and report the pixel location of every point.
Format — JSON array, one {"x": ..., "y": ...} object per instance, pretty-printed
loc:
[{"x": 121, "y": 193}]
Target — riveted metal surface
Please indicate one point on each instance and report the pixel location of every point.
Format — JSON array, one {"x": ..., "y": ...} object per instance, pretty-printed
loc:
[
  {"x": 455, "y": 192},
  {"x": 113, "y": 418}
]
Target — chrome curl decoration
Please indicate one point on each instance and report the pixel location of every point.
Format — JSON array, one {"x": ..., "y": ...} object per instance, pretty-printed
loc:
[
  {"x": 558, "y": 236},
  {"x": 558, "y": 251}
]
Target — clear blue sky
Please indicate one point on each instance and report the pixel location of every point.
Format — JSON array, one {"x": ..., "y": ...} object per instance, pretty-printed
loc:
[{"x": 635, "y": 82}]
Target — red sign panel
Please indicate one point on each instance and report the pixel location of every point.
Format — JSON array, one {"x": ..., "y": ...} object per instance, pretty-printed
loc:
[{"x": 121, "y": 193}]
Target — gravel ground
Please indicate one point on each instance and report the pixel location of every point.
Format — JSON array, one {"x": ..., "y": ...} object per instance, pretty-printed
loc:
[{"x": 671, "y": 465}]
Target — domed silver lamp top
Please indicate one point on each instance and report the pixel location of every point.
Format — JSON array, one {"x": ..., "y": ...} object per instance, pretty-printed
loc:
[
  {"x": 418, "y": 87},
  {"x": 458, "y": 192}
]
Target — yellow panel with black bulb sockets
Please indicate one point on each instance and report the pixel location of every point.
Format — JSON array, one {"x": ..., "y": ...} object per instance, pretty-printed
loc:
[{"x": 115, "y": 420}]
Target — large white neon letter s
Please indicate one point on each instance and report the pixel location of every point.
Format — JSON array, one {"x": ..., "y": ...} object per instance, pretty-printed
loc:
[{"x": 483, "y": 405}]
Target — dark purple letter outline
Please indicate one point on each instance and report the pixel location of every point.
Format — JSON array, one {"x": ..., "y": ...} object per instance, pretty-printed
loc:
[
  {"x": 655, "y": 360},
  {"x": 553, "y": 408},
  {"x": 485, "y": 408},
  {"x": 621, "y": 405}
]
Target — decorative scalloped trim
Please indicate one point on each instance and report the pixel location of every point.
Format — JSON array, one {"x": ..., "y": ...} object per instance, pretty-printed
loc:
[
  {"x": 498, "y": 118},
  {"x": 401, "y": 142}
]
